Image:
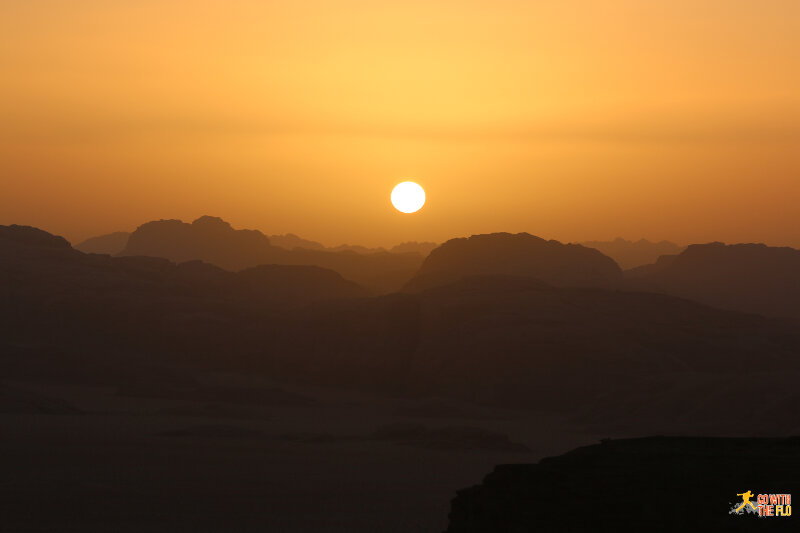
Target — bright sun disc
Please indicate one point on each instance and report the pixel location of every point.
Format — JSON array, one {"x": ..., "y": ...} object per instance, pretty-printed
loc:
[{"x": 408, "y": 197}]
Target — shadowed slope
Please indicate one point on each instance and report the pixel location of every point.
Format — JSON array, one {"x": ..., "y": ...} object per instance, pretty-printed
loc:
[{"x": 621, "y": 358}]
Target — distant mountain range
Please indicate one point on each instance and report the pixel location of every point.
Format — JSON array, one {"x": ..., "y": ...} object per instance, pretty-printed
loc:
[
  {"x": 213, "y": 240},
  {"x": 291, "y": 241},
  {"x": 114, "y": 243},
  {"x": 627, "y": 254},
  {"x": 630, "y": 254},
  {"x": 744, "y": 277},
  {"x": 38, "y": 261},
  {"x": 628, "y": 358},
  {"x": 751, "y": 278}
]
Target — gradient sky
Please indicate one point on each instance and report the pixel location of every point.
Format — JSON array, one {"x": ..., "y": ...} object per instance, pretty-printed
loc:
[{"x": 568, "y": 119}]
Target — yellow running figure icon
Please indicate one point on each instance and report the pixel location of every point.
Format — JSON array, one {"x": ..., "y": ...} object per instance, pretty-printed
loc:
[{"x": 746, "y": 501}]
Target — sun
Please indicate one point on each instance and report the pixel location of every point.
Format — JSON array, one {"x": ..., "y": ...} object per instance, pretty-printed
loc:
[{"x": 408, "y": 197}]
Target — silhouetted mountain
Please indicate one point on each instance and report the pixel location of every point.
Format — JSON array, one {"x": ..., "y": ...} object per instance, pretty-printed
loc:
[
  {"x": 31, "y": 238},
  {"x": 208, "y": 239},
  {"x": 630, "y": 254},
  {"x": 753, "y": 278},
  {"x": 651, "y": 484},
  {"x": 110, "y": 244},
  {"x": 516, "y": 255},
  {"x": 290, "y": 241},
  {"x": 422, "y": 248},
  {"x": 213, "y": 240}
]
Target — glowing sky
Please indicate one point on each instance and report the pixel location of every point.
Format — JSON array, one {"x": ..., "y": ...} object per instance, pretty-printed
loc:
[{"x": 567, "y": 119}]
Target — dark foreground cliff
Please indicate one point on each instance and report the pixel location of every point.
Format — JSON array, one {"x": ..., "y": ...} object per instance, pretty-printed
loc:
[{"x": 649, "y": 484}]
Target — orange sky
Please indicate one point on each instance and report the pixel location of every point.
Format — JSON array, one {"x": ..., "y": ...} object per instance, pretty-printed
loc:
[{"x": 567, "y": 119}]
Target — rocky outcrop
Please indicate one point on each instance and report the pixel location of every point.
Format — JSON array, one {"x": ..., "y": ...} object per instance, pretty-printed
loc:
[{"x": 651, "y": 484}]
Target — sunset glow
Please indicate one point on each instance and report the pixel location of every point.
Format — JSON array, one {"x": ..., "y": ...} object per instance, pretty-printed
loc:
[{"x": 674, "y": 116}]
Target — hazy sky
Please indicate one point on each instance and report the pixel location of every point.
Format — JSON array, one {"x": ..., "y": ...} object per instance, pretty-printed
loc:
[{"x": 568, "y": 119}]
